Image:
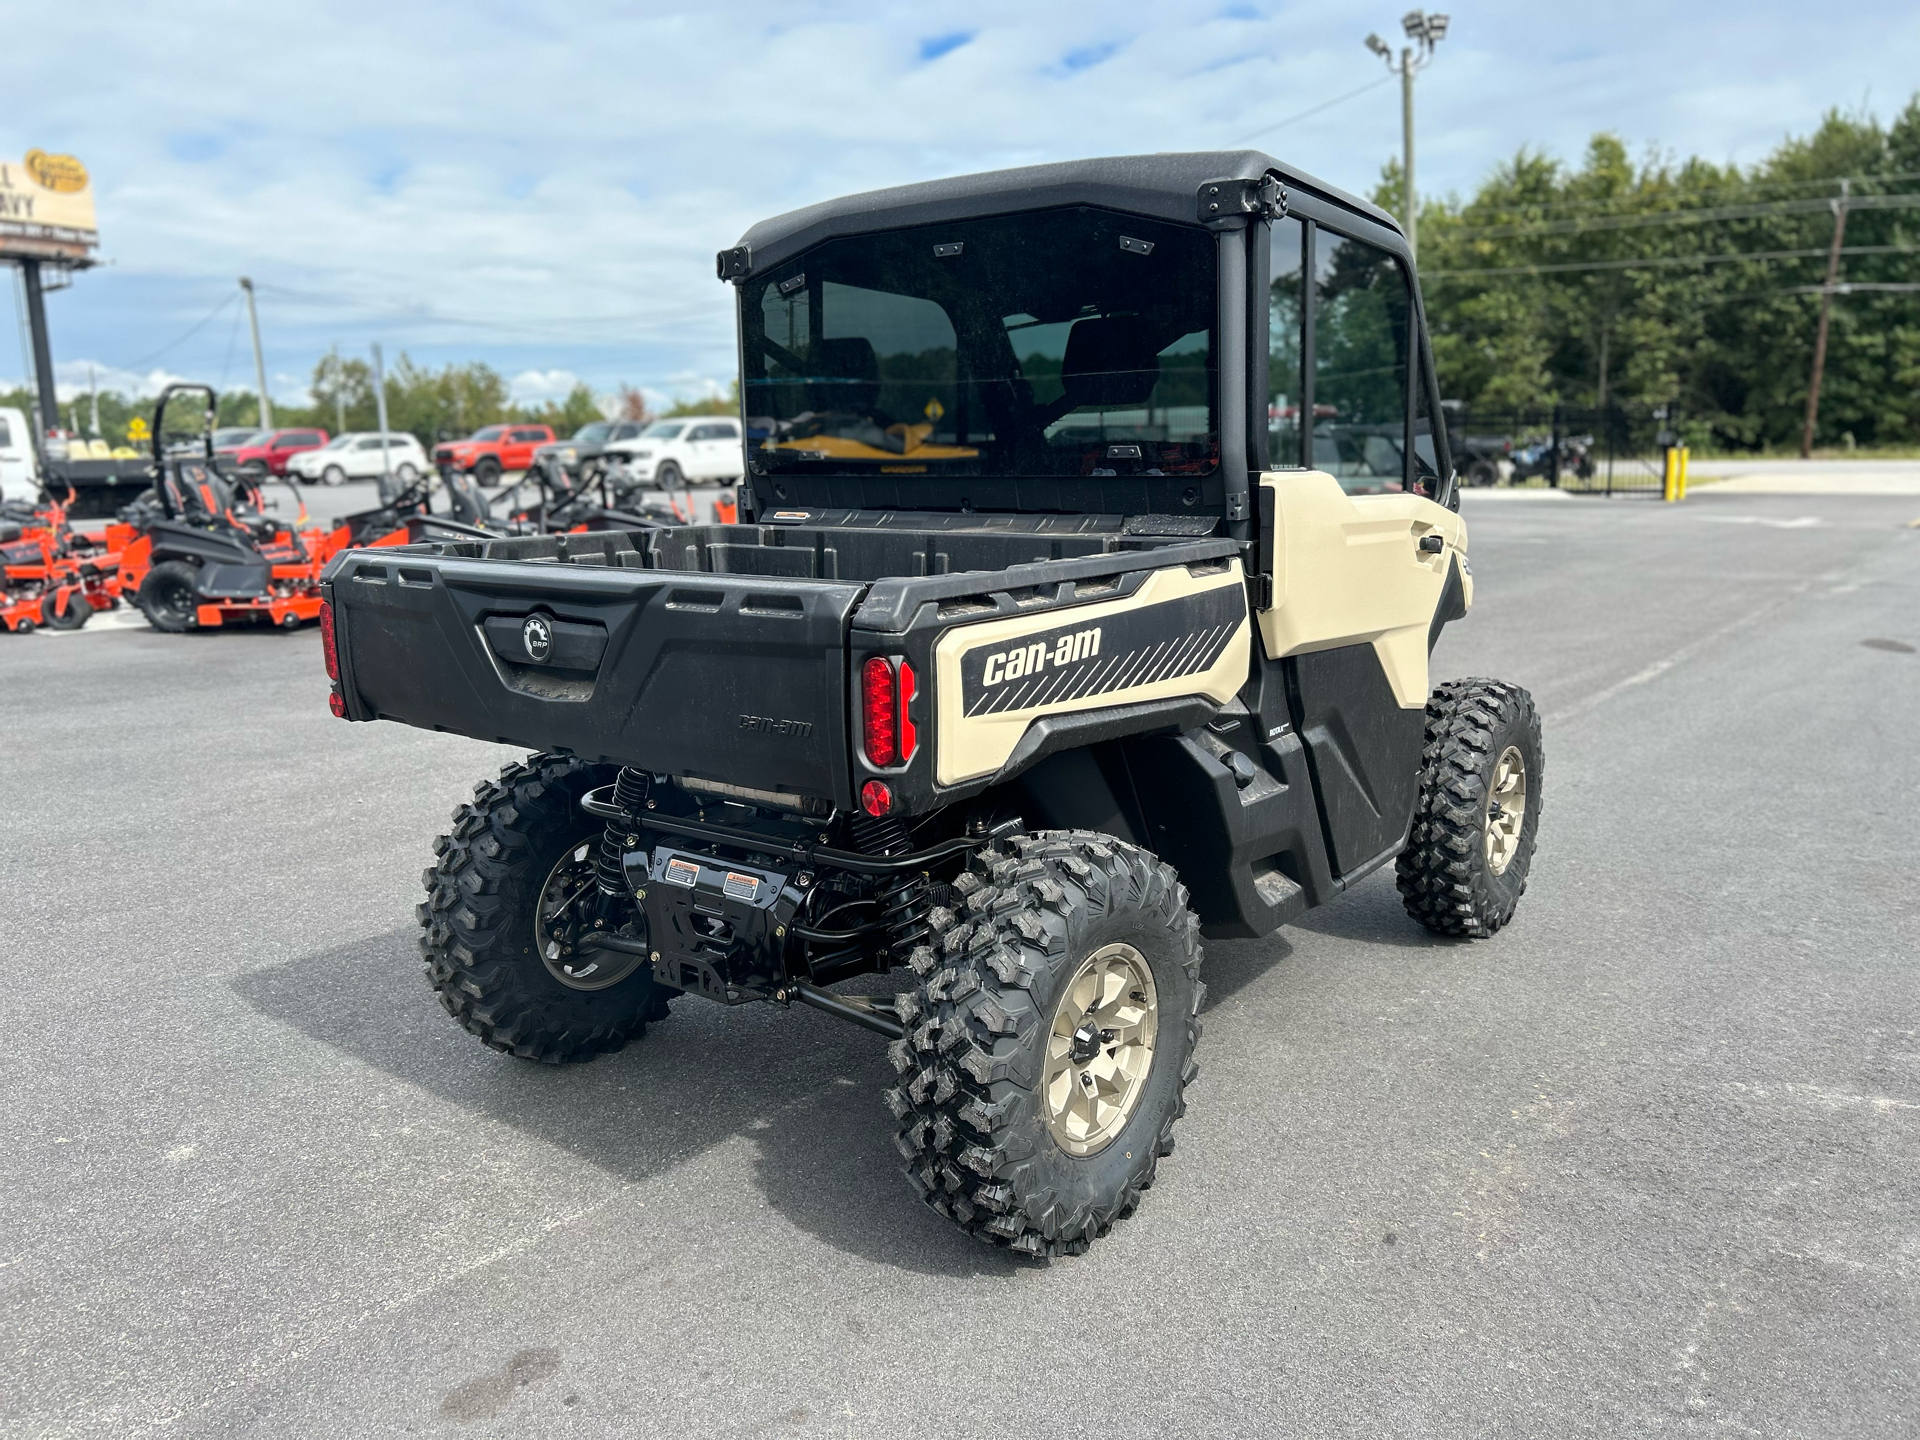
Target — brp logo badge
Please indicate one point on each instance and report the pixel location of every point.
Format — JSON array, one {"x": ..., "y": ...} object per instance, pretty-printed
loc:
[{"x": 537, "y": 636}]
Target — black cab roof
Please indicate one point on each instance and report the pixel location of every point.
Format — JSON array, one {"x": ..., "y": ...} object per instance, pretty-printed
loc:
[{"x": 1166, "y": 186}]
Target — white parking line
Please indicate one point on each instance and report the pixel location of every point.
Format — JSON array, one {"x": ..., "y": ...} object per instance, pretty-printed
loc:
[
  {"x": 1801, "y": 522},
  {"x": 126, "y": 617}
]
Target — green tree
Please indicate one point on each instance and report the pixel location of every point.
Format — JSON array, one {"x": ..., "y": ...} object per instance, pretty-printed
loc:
[
  {"x": 579, "y": 408},
  {"x": 1685, "y": 280},
  {"x": 712, "y": 405}
]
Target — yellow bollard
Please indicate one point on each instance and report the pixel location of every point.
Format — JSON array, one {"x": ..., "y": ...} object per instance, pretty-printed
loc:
[
  {"x": 1686, "y": 454},
  {"x": 1670, "y": 476}
]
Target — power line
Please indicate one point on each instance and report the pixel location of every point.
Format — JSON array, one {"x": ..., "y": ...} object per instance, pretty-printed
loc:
[
  {"x": 195, "y": 330},
  {"x": 1325, "y": 105},
  {"x": 1849, "y": 287},
  {"x": 1741, "y": 184},
  {"x": 1662, "y": 262},
  {"x": 1696, "y": 216}
]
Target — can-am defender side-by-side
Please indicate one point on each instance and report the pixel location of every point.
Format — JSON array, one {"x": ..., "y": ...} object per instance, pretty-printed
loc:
[{"x": 1094, "y": 539}]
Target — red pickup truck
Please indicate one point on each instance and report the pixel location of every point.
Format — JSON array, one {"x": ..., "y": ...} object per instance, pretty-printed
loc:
[
  {"x": 270, "y": 451},
  {"x": 495, "y": 448}
]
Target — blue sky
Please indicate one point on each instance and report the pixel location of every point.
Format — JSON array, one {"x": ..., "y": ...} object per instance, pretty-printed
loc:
[{"x": 543, "y": 186}]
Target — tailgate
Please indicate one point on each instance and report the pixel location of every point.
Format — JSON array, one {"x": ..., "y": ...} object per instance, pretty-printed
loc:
[{"x": 738, "y": 679}]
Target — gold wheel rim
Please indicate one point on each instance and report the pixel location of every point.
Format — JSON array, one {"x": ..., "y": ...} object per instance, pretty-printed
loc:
[
  {"x": 1506, "y": 809},
  {"x": 1100, "y": 1049}
]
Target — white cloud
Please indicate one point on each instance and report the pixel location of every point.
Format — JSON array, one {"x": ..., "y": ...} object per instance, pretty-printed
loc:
[
  {"x": 71, "y": 380},
  {"x": 573, "y": 228},
  {"x": 535, "y": 386}
]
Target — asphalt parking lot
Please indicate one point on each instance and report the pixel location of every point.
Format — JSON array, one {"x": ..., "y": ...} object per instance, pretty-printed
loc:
[{"x": 1645, "y": 1162}]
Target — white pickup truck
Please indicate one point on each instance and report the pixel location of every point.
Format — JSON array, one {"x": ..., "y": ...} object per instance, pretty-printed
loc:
[
  {"x": 672, "y": 453},
  {"x": 16, "y": 457},
  {"x": 101, "y": 484}
]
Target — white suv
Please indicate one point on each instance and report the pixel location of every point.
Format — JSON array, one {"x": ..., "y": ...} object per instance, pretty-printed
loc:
[
  {"x": 690, "y": 450},
  {"x": 356, "y": 456}
]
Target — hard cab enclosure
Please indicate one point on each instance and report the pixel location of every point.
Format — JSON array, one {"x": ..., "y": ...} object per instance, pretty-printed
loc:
[{"x": 1100, "y": 495}]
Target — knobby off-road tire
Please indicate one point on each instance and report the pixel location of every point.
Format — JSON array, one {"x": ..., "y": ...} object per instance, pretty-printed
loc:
[
  {"x": 1465, "y": 865},
  {"x": 478, "y": 922},
  {"x": 972, "y": 1100}
]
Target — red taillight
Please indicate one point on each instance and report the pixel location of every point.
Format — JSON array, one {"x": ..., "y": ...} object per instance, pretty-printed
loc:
[
  {"x": 909, "y": 737},
  {"x": 327, "y": 643},
  {"x": 876, "y": 798},
  {"x": 879, "y": 713},
  {"x": 887, "y": 731}
]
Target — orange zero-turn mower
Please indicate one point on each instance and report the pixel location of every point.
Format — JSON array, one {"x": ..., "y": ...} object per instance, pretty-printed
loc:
[
  {"x": 208, "y": 559},
  {"x": 51, "y": 574}
]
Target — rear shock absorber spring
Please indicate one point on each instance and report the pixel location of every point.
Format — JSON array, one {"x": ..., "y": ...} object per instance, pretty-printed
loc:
[
  {"x": 620, "y": 836},
  {"x": 903, "y": 899}
]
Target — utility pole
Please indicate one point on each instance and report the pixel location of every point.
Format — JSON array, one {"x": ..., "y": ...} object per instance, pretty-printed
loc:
[
  {"x": 48, "y": 409},
  {"x": 1424, "y": 31},
  {"x": 1826, "y": 310},
  {"x": 259, "y": 361},
  {"x": 93, "y": 393},
  {"x": 380, "y": 409}
]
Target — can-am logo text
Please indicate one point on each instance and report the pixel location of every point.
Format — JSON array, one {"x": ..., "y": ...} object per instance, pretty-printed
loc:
[
  {"x": 1029, "y": 659},
  {"x": 537, "y": 636},
  {"x": 769, "y": 725}
]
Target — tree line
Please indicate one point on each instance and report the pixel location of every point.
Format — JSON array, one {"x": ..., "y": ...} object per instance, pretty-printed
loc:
[
  {"x": 1689, "y": 283},
  {"x": 431, "y": 404}
]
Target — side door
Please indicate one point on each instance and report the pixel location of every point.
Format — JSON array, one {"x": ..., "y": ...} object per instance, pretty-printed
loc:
[
  {"x": 524, "y": 443},
  {"x": 364, "y": 460},
  {"x": 729, "y": 462},
  {"x": 290, "y": 444},
  {"x": 702, "y": 449},
  {"x": 1364, "y": 563}
]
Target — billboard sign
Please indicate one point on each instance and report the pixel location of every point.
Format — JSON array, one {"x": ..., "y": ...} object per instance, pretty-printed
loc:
[{"x": 46, "y": 209}]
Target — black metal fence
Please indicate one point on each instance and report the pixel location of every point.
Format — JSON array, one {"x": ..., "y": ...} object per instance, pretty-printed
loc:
[{"x": 1611, "y": 450}]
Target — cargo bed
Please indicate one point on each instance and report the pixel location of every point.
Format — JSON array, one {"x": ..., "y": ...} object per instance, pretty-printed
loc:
[{"x": 722, "y": 653}]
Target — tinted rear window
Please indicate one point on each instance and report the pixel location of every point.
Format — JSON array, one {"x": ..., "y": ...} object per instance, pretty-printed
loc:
[{"x": 1073, "y": 342}]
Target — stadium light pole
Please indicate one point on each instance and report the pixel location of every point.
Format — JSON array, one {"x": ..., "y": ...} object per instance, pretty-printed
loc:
[{"x": 1424, "y": 31}]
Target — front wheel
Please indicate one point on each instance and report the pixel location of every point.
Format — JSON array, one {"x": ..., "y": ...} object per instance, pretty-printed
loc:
[
  {"x": 487, "y": 473},
  {"x": 406, "y": 474},
  {"x": 1467, "y": 857},
  {"x": 333, "y": 475},
  {"x": 508, "y": 900},
  {"x": 668, "y": 476},
  {"x": 167, "y": 597},
  {"x": 77, "y": 613},
  {"x": 1050, "y": 1043}
]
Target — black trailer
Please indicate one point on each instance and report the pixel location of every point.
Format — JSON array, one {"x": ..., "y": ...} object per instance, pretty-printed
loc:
[{"x": 100, "y": 487}]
